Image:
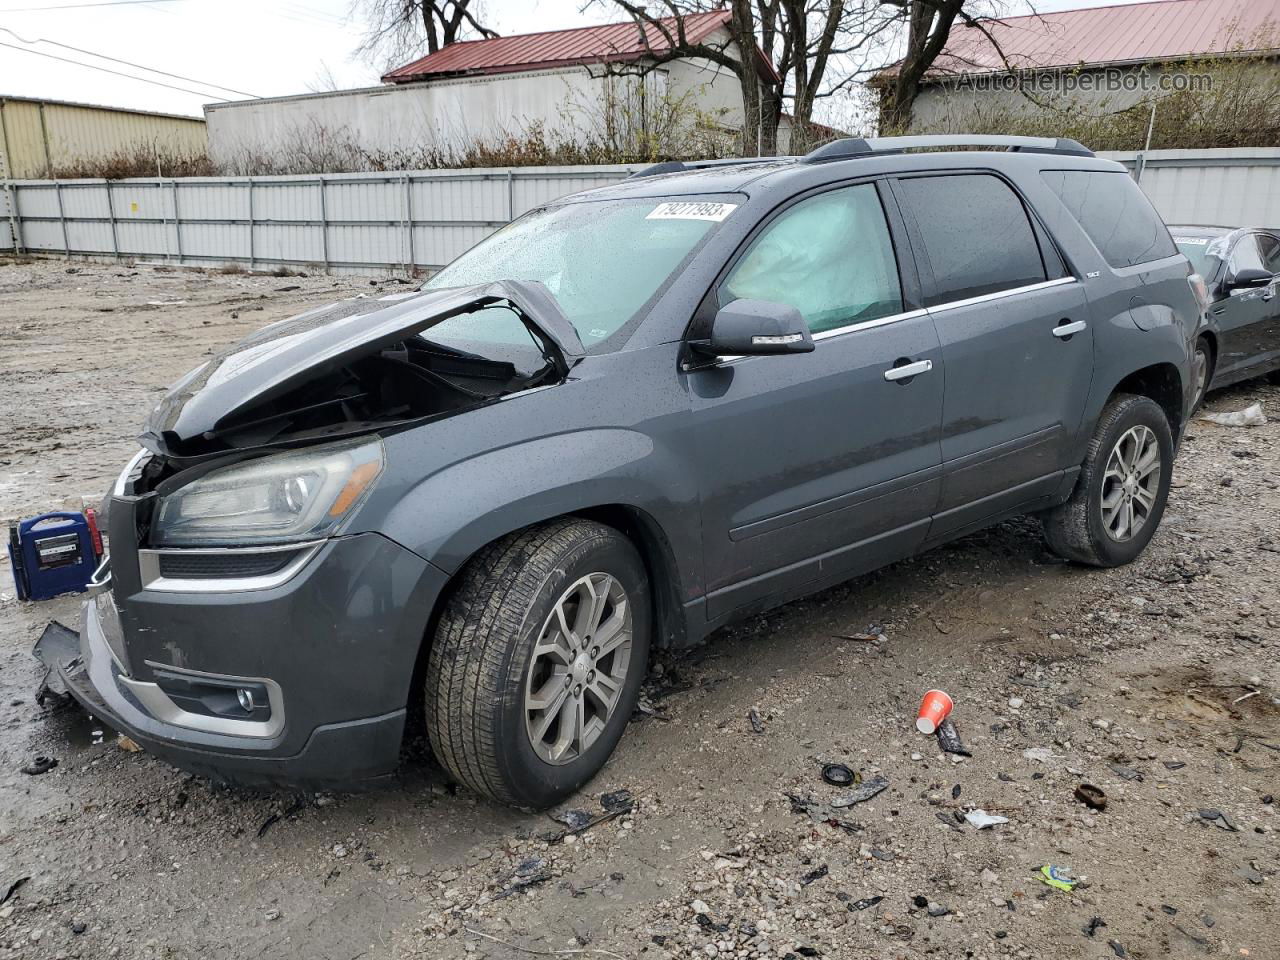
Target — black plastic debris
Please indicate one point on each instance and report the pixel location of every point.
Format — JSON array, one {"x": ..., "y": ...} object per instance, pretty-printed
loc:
[
  {"x": 1218, "y": 819},
  {"x": 40, "y": 765},
  {"x": 79, "y": 927},
  {"x": 919, "y": 902},
  {"x": 1092, "y": 926},
  {"x": 1092, "y": 797},
  {"x": 617, "y": 800},
  {"x": 528, "y": 873},
  {"x": 12, "y": 889},
  {"x": 756, "y": 723},
  {"x": 56, "y": 644},
  {"x": 943, "y": 818},
  {"x": 573, "y": 819},
  {"x": 806, "y": 951},
  {"x": 1171, "y": 911},
  {"x": 865, "y": 791},
  {"x": 837, "y": 774},
  {"x": 864, "y": 903},
  {"x": 1174, "y": 764},
  {"x": 1126, "y": 773},
  {"x": 815, "y": 874},
  {"x": 955, "y": 792},
  {"x": 949, "y": 739},
  {"x": 1117, "y": 948},
  {"x": 298, "y": 805}
]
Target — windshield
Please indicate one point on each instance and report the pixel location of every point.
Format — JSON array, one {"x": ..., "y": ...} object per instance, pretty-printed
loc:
[
  {"x": 1195, "y": 249},
  {"x": 603, "y": 261}
]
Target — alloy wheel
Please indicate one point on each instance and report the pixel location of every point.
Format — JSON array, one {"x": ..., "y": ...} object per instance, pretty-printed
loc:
[
  {"x": 1130, "y": 483},
  {"x": 578, "y": 669}
]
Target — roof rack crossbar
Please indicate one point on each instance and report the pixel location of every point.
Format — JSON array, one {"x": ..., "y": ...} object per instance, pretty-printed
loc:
[
  {"x": 868, "y": 146},
  {"x": 680, "y": 166}
]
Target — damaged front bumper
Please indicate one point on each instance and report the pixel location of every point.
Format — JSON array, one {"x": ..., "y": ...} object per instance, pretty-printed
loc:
[{"x": 327, "y": 658}]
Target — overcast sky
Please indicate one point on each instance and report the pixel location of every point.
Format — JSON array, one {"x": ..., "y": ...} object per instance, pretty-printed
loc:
[{"x": 257, "y": 47}]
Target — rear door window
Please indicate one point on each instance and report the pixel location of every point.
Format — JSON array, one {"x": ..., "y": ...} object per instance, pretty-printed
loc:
[
  {"x": 1114, "y": 213},
  {"x": 830, "y": 256},
  {"x": 976, "y": 233}
]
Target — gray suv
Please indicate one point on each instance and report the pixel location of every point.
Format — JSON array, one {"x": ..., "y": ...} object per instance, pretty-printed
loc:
[{"x": 628, "y": 418}]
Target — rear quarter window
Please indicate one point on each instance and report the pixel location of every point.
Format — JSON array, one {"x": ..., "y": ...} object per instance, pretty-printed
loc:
[{"x": 1114, "y": 213}]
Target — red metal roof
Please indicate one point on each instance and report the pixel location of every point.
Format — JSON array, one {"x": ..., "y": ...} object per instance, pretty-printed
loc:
[
  {"x": 1164, "y": 30},
  {"x": 608, "y": 43}
]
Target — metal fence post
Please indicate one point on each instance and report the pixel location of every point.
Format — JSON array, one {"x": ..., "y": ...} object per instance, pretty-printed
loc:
[
  {"x": 251, "y": 224},
  {"x": 511, "y": 196},
  {"x": 111, "y": 215},
  {"x": 408, "y": 225},
  {"x": 324, "y": 227},
  {"x": 62, "y": 218},
  {"x": 177, "y": 220}
]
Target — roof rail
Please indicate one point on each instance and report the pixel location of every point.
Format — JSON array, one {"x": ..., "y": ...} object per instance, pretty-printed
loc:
[
  {"x": 863, "y": 147},
  {"x": 680, "y": 166}
]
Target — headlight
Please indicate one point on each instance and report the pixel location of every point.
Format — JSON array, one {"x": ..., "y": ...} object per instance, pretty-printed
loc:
[{"x": 277, "y": 499}]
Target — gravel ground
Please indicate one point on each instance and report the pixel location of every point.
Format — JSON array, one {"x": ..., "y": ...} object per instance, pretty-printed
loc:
[{"x": 1136, "y": 681}]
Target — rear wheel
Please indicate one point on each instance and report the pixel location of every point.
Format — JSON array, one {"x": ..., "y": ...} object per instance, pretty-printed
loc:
[
  {"x": 537, "y": 661},
  {"x": 1124, "y": 483}
]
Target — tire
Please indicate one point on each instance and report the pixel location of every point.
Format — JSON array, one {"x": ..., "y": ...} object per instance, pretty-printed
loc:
[
  {"x": 482, "y": 677},
  {"x": 1202, "y": 370},
  {"x": 1080, "y": 529}
]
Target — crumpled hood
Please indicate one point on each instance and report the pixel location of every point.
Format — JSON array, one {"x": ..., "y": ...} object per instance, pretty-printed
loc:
[{"x": 282, "y": 355}]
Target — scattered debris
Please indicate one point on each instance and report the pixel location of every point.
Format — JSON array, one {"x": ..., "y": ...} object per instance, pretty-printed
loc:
[
  {"x": 1092, "y": 926},
  {"x": 298, "y": 805},
  {"x": 864, "y": 903},
  {"x": 812, "y": 875},
  {"x": 127, "y": 744},
  {"x": 837, "y": 774},
  {"x": 867, "y": 790},
  {"x": 1092, "y": 797},
  {"x": 573, "y": 819},
  {"x": 1250, "y": 416},
  {"x": 1250, "y": 872},
  {"x": 591, "y": 821},
  {"x": 528, "y": 873},
  {"x": 934, "y": 708},
  {"x": 1173, "y": 765},
  {"x": 1218, "y": 819},
  {"x": 1117, "y": 948},
  {"x": 617, "y": 800},
  {"x": 949, "y": 739},
  {"x": 982, "y": 820},
  {"x": 1039, "y": 754},
  {"x": 1251, "y": 693},
  {"x": 40, "y": 765},
  {"x": 756, "y": 723},
  {"x": 1057, "y": 877},
  {"x": 12, "y": 889},
  {"x": 1126, "y": 773}
]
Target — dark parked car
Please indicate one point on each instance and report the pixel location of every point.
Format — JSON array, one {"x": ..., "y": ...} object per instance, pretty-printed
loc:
[
  {"x": 628, "y": 418},
  {"x": 1240, "y": 337}
]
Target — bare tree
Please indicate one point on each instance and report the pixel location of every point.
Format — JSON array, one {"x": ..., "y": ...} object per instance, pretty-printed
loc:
[
  {"x": 396, "y": 28},
  {"x": 928, "y": 25}
]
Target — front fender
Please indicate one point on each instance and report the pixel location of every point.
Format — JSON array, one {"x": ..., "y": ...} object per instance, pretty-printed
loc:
[{"x": 446, "y": 517}]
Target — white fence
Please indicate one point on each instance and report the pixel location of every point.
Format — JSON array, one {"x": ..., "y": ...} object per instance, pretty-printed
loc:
[
  {"x": 359, "y": 222},
  {"x": 1238, "y": 187},
  {"x": 419, "y": 221}
]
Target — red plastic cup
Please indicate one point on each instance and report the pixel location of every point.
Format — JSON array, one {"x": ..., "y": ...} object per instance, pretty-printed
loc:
[{"x": 934, "y": 708}]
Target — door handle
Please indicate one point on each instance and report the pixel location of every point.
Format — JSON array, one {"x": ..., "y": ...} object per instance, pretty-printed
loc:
[
  {"x": 1269, "y": 293},
  {"x": 908, "y": 370},
  {"x": 1069, "y": 329}
]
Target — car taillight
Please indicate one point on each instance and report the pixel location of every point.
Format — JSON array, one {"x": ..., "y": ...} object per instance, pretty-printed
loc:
[{"x": 1196, "y": 283}]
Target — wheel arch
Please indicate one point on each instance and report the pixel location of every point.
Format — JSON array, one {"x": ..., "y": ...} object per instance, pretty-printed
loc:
[{"x": 1161, "y": 382}]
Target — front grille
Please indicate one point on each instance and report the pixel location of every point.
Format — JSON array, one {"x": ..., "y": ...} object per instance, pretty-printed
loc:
[{"x": 181, "y": 565}]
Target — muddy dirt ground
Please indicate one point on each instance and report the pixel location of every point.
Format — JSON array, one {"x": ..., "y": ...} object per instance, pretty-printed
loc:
[{"x": 1139, "y": 681}]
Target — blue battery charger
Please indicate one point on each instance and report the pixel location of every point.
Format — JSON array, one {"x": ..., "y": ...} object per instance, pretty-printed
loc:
[{"x": 52, "y": 554}]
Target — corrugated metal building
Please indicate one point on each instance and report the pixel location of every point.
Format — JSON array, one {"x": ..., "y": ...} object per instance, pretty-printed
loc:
[
  {"x": 38, "y": 137},
  {"x": 1102, "y": 59}
]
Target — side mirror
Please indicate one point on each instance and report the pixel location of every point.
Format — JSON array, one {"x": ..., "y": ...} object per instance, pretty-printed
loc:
[
  {"x": 756, "y": 328},
  {"x": 1248, "y": 277}
]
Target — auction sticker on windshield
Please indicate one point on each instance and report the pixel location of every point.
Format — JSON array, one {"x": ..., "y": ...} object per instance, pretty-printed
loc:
[
  {"x": 691, "y": 210},
  {"x": 1194, "y": 241}
]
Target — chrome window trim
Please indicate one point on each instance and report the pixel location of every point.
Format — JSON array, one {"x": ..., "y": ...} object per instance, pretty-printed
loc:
[
  {"x": 152, "y": 579},
  {"x": 1001, "y": 294},
  {"x": 924, "y": 311},
  {"x": 159, "y": 705}
]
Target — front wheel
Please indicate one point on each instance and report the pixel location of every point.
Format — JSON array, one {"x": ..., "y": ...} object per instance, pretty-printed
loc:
[
  {"x": 1121, "y": 492},
  {"x": 1201, "y": 371},
  {"x": 537, "y": 661}
]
